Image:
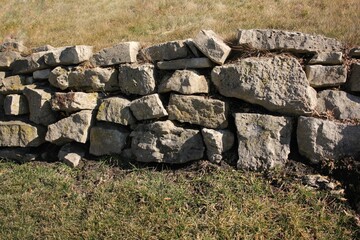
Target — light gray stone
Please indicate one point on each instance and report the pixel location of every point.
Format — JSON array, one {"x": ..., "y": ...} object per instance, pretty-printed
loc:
[
  {"x": 41, "y": 74},
  {"x": 264, "y": 141},
  {"x": 74, "y": 101},
  {"x": 137, "y": 79},
  {"x": 217, "y": 142},
  {"x": 71, "y": 154},
  {"x": 354, "y": 81},
  {"x": 164, "y": 142},
  {"x": 116, "y": 110},
  {"x": 166, "y": 51},
  {"x": 59, "y": 77},
  {"x": 125, "y": 52},
  {"x": 355, "y": 52},
  {"x": 12, "y": 84},
  {"x": 270, "y": 39},
  {"x": 68, "y": 55},
  {"x": 327, "y": 58},
  {"x": 322, "y": 140},
  {"x": 186, "y": 63},
  {"x": 7, "y": 58},
  {"x": 210, "y": 113},
  {"x": 29, "y": 64},
  {"x": 73, "y": 128},
  {"x": 276, "y": 83},
  {"x": 13, "y": 45},
  {"x": 16, "y": 104},
  {"x": 20, "y": 134},
  {"x": 325, "y": 76},
  {"x": 148, "y": 107},
  {"x": 185, "y": 82},
  {"x": 212, "y": 46}
]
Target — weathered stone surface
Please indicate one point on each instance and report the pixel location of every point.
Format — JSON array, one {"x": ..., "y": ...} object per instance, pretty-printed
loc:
[
  {"x": 125, "y": 52},
  {"x": 194, "y": 50},
  {"x": 187, "y": 63},
  {"x": 42, "y": 48},
  {"x": 217, "y": 142},
  {"x": 340, "y": 104},
  {"x": 325, "y": 76},
  {"x": 12, "y": 84},
  {"x": 210, "y": 113},
  {"x": 165, "y": 142},
  {"x": 68, "y": 55},
  {"x": 71, "y": 154},
  {"x": 29, "y": 64},
  {"x": 13, "y": 45},
  {"x": 107, "y": 139},
  {"x": 7, "y": 58},
  {"x": 270, "y": 39},
  {"x": 276, "y": 83},
  {"x": 167, "y": 51},
  {"x": 264, "y": 141},
  {"x": 39, "y": 105},
  {"x": 74, "y": 101},
  {"x": 354, "y": 81},
  {"x": 73, "y": 128},
  {"x": 19, "y": 154},
  {"x": 137, "y": 79},
  {"x": 328, "y": 58},
  {"x": 16, "y": 104},
  {"x": 20, "y": 134},
  {"x": 116, "y": 110},
  {"x": 320, "y": 140},
  {"x": 185, "y": 82},
  {"x": 355, "y": 52},
  {"x": 59, "y": 77},
  {"x": 212, "y": 46},
  {"x": 148, "y": 107},
  {"x": 41, "y": 74}
]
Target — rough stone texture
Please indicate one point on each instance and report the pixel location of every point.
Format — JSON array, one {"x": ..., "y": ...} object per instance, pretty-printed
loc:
[
  {"x": 42, "y": 48},
  {"x": 187, "y": 63},
  {"x": 276, "y": 83},
  {"x": 42, "y": 74},
  {"x": 328, "y": 58},
  {"x": 12, "y": 84},
  {"x": 116, "y": 110},
  {"x": 166, "y": 51},
  {"x": 217, "y": 142},
  {"x": 73, "y": 128},
  {"x": 165, "y": 142},
  {"x": 137, "y": 79},
  {"x": 16, "y": 104},
  {"x": 7, "y": 58},
  {"x": 19, "y": 154},
  {"x": 20, "y": 134},
  {"x": 59, "y": 77},
  {"x": 148, "y": 107},
  {"x": 107, "y": 139},
  {"x": 354, "y": 81},
  {"x": 125, "y": 52},
  {"x": 194, "y": 50},
  {"x": 71, "y": 154},
  {"x": 321, "y": 140},
  {"x": 185, "y": 82},
  {"x": 339, "y": 104},
  {"x": 210, "y": 113},
  {"x": 212, "y": 46},
  {"x": 29, "y": 64},
  {"x": 355, "y": 52},
  {"x": 13, "y": 45},
  {"x": 39, "y": 105},
  {"x": 264, "y": 141},
  {"x": 325, "y": 76},
  {"x": 74, "y": 101},
  {"x": 269, "y": 39},
  {"x": 68, "y": 55}
]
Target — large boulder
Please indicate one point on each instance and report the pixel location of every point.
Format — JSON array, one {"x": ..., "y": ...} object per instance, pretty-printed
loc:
[
  {"x": 74, "y": 101},
  {"x": 354, "y": 80},
  {"x": 167, "y": 51},
  {"x": 116, "y": 110},
  {"x": 16, "y": 104},
  {"x": 276, "y": 83},
  {"x": 68, "y": 55},
  {"x": 137, "y": 79},
  {"x": 325, "y": 76},
  {"x": 12, "y": 84},
  {"x": 148, "y": 107},
  {"x": 217, "y": 142}
]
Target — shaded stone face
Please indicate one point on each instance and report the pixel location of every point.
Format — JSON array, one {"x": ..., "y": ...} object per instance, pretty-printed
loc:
[
  {"x": 137, "y": 79},
  {"x": 167, "y": 51},
  {"x": 68, "y": 55},
  {"x": 327, "y": 58},
  {"x": 186, "y": 63},
  {"x": 354, "y": 81},
  {"x": 326, "y": 76}
]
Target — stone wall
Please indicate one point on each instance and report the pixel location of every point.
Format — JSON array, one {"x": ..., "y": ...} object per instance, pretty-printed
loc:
[{"x": 183, "y": 100}]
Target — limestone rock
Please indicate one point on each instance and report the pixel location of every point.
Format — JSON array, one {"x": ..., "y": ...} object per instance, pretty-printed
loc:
[
  {"x": 217, "y": 142},
  {"x": 116, "y": 110},
  {"x": 148, "y": 107},
  {"x": 212, "y": 46},
  {"x": 186, "y": 63},
  {"x": 7, "y": 58},
  {"x": 264, "y": 141},
  {"x": 185, "y": 82},
  {"x": 16, "y": 104},
  {"x": 166, "y": 51},
  {"x": 71, "y": 154},
  {"x": 210, "y": 113},
  {"x": 29, "y": 64},
  {"x": 137, "y": 79},
  {"x": 355, "y": 52},
  {"x": 325, "y": 76},
  {"x": 13, "y": 45},
  {"x": 194, "y": 50},
  {"x": 68, "y": 55},
  {"x": 41, "y": 74},
  {"x": 12, "y": 84},
  {"x": 73, "y": 128},
  {"x": 354, "y": 80},
  {"x": 20, "y": 134},
  {"x": 327, "y": 58},
  {"x": 59, "y": 77},
  {"x": 107, "y": 139},
  {"x": 321, "y": 140},
  {"x": 164, "y": 142},
  {"x": 125, "y": 52},
  {"x": 270, "y": 39},
  {"x": 74, "y": 101},
  {"x": 276, "y": 83}
]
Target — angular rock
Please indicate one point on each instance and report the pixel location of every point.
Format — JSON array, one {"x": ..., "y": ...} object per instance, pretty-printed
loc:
[
  {"x": 74, "y": 101},
  {"x": 186, "y": 63},
  {"x": 270, "y": 39},
  {"x": 20, "y": 134},
  {"x": 321, "y": 140},
  {"x": 148, "y": 107},
  {"x": 185, "y": 82},
  {"x": 194, "y": 50},
  {"x": 13, "y": 45},
  {"x": 7, "y": 58},
  {"x": 137, "y": 79},
  {"x": 167, "y": 51},
  {"x": 19, "y": 154},
  {"x": 71, "y": 154},
  {"x": 164, "y": 142},
  {"x": 107, "y": 139},
  {"x": 125, "y": 52},
  {"x": 210, "y": 113},
  {"x": 354, "y": 81},
  {"x": 217, "y": 142},
  {"x": 29, "y": 64},
  {"x": 59, "y": 77},
  {"x": 41, "y": 74},
  {"x": 68, "y": 55},
  {"x": 264, "y": 141},
  {"x": 327, "y": 58},
  {"x": 73, "y": 128},
  {"x": 276, "y": 83},
  {"x": 212, "y": 46},
  {"x": 12, "y": 84},
  {"x": 325, "y": 76},
  {"x": 355, "y": 52},
  {"x": 116, "y": 110},
  {"x": 16, "y": 104}
]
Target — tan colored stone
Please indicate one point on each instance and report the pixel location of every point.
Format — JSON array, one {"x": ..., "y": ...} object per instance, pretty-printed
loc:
[{"x": 116, "y": 110}]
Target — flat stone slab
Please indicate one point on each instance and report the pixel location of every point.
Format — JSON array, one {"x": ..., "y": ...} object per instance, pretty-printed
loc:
[
  {"x": 137, "y": 79},
  {"x": 148, "y": 107},
  {"x": 125, "y": 52},
  {"x": 217, "y": 142},
  {"x": 354, "y": 80},
  {"x": 166, "y": 51},
  {"x": 117, "y": 110},
  {"x": 186, "y": 63},
  {"x": 70, "y": 55},
  {"x": 327, "y": 58},
  {"x": 74, "y": 101},
  {"x": 41, "y": 74},
  {"x": 325, "y": 76},
  {"x": 16, "y": 104}
]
